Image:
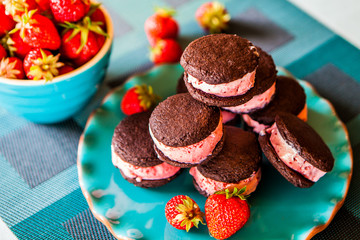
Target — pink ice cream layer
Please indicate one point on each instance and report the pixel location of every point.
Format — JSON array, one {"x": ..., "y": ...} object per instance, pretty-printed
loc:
[
  {"x": 161, "y": 171},
  {"x": 258, "y": 127},
  {"x": 210, "y": 186},
  {"x": 234, "y": 88},
  {"x": 227, "y": 116},
  {"x": 194, "y": 153},
  {"x": 291, "y": 158},
  {"x": 257, "y": 102}
]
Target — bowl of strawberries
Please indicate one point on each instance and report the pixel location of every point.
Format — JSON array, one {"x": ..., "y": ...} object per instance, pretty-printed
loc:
[{"x": 53, "y": 56}]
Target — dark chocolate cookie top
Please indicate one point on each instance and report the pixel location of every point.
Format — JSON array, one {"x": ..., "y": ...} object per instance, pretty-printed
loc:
[
  {"x": 307, "y": 142},
  {"x": 265, "y": 73},
  {"x": 239, "y": 158},
  {"x": 264, "y": 79},
  {"x": 181, "y": 120},
  {"x": 289, "y": 97},
  {"x": 132, "y": 141},
  {"x": 219, "y": 58}
]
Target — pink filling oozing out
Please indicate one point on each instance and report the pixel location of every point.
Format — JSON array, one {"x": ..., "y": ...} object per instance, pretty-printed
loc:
[
  {"x": 227, "y": 116},
  {"x": 211, "y": 186},
  {"x": 258, "y": 101},
  {"x": 161, "y": 171},
  {"x": 194, "y": 153},
  {"x": 291, "y": 158},
  {"x": 234, "y": 88},
  {"x": 258, "y": 127}
]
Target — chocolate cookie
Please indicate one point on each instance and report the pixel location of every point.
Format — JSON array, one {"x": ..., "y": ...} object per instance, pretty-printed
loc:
[
  {"x": 134, "y": 155},
  {"x": 180, "y": 121},
  {"x": 185, "y": 131},
  {"x": 239, "y": 158},
  {"x": 301, "y": 148},
  {"x": 289, "y": 97},
  {"x": 237, "y": 165},
  {"x": 132, "y": 141},
  {"x": 219, "y": 58},
  {"x": 264, "y": 79}
]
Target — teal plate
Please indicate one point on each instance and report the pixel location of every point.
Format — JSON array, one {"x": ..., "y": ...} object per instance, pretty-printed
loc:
[{"x": 278, "y": 209}]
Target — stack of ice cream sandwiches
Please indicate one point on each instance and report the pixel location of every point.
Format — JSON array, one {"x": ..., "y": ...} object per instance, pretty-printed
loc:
[{"x": 225, "y": 77}]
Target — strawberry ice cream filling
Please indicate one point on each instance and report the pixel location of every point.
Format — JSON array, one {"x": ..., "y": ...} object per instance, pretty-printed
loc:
[
  {"x": 210, "y": 186},
  {"x": 161, "y": 171},
  {"x": 194, "y": 153},
  {"x": 257, "y": 102},
  {"x": 234, "y": 88},
  {"x": 258, "y": 127},
  {"x": 291, "y": 158},
  {"x": 227, "y": 116}
]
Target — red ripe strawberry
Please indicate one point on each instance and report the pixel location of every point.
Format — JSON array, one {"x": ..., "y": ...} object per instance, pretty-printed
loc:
[
  {"x": 44, "y": 5},
  {"x": 213, "y": 17},
  {"x": 37, "y": 31},
  {"x": 42, "y": 65},
  {"x": 70, "y": 47},
  {"x": 69, "y": 10},
  {"x": 82, "y": 41},
  {"x": 161, "y": 25},
  {"x": 3, "y": 53},
  {"x": 65, "y": 69},
  {"x": 166, "y": 51},
  {"x": 98, "y": 16},
  {"x": 18, "y": 7},
  {"x": 11, "y": 67},
  {"x": 226, "y": 213},
  {"x": 183, "y": 213},
  {"x": 138, "y": 99},
  {"x": 7, "y": 23},
  {"x": 15, "y": 45}
]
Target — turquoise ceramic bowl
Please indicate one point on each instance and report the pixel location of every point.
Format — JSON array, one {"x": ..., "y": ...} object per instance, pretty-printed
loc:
[{"x": 61, "y": 98}]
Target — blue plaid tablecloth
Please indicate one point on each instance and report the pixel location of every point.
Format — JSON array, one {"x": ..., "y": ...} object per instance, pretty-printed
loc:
[{"x": 40, "y": 197}]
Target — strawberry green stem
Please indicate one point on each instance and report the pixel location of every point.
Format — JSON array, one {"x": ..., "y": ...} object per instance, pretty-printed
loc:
[
  {"x": 235, "y": 193},
  {"x": 83, "y": 28}
]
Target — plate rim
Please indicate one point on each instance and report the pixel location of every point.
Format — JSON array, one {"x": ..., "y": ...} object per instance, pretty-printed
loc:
[{"x": 315, "y": 230}]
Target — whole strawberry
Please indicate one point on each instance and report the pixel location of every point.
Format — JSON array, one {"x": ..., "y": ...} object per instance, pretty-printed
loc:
[
  {"x": 226, "y": 213},
  {"x": 161, "y": 25},
  {"x": 213, "y": 17},
  {"x": 96, "y": 15},
  {"x": 44, "y": 5},
  {"x": 16, "y": 45},
  {"x": 3, "y": 53},
  {"x": 7, "y": 23},
  {"x": 69, "y": 10},
  {"x": 183, "y": 213},
  {"x": 138, "y": 99},
  {"x": 82, "y": 41},
  {"x": 11, "y": 67},
  {"x": 18, "y": 7},
  {"x": 41, "y": 64},
  {"x": 37, "y": 31},
  {"x": 166, "y": 51},
  {"x": 65, "y": 69}
]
